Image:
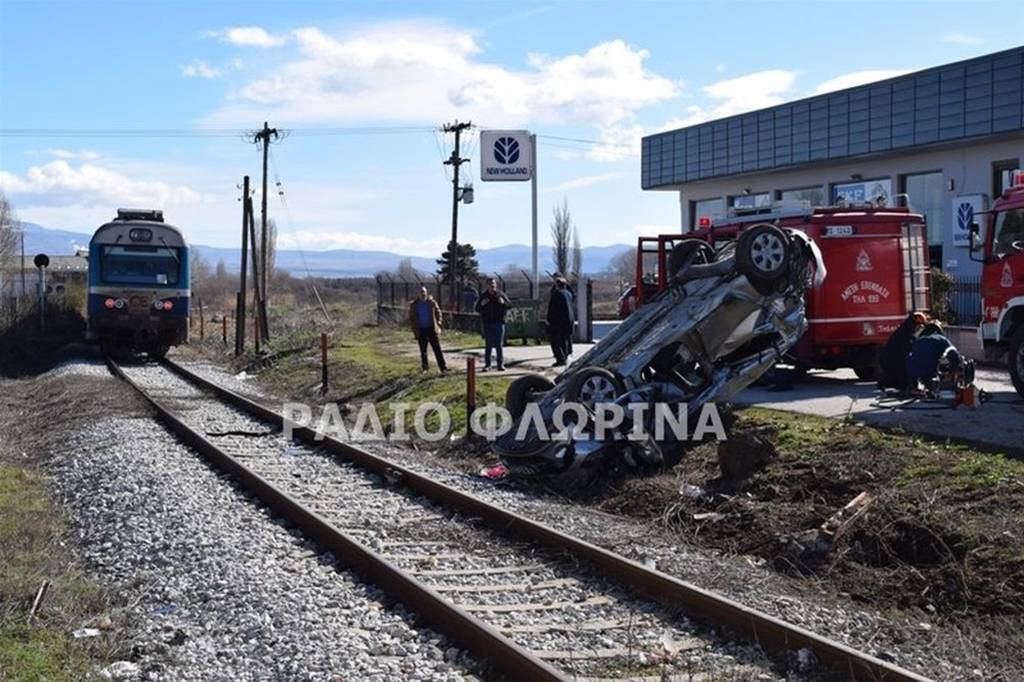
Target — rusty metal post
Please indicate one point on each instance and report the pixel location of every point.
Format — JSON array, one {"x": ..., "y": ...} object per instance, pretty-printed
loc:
[
  {"x": 470, "y": 392},
  {"x": 323, "y": 362}
]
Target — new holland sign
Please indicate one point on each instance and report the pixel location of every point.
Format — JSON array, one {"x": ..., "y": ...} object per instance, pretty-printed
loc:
[{"x": 505, "y": 155}]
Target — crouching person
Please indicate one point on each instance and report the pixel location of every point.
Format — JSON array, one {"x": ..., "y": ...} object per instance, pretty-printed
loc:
[
  {"x": 425, "y": 319},
  {"x": 929, "y": 349}
]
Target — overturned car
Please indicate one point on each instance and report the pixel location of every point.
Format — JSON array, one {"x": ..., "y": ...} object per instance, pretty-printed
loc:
[{"x": 730, "y": 313}]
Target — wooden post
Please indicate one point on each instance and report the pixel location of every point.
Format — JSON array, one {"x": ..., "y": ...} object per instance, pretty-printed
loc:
[
  {"x": 202, "y": 322},
  {"x": 224, "y": 328},
  {"x": 256, "y": 328},
  {"x": 470, "y": 391},
  {"x": 239, "y": 322},
  {"x": 323, "y": 362}
]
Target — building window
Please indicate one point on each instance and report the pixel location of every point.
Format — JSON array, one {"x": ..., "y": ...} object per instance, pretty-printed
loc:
[
  {"x": 1002, "y": 175},
  {"x": 705, "y": 208},
  {"x": 742, "y": 201},
  {"x": 926, "y": 195},
  {"x": 815, "y": 195},
  {"x": 863, "y": 191}
]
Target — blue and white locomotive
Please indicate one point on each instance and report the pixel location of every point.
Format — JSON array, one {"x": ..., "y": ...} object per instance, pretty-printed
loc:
[{"x": 138, "y": 283}]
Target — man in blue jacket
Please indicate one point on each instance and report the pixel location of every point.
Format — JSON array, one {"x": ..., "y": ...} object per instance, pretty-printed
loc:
[{"x": 926, "y": 352}]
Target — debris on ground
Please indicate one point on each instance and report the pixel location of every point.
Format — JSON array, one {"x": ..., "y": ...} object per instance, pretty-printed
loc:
[{"x": 746, "y": 451}]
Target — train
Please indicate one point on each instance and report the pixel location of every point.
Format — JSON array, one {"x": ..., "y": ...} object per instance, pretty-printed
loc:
[{"x": 139, "y": 284}]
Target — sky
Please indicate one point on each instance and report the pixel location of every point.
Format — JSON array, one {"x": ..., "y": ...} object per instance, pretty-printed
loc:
[{"x": 362, "y": 88}]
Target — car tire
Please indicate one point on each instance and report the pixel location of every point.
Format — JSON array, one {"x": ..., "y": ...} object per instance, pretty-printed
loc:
[
  {"x": 685, "y": 250},
  {"x": 591, "y": 385},
  {"x": 762, "y": 255},
  {"x": 1016, "y": 360},
  {"x": 525, "y": 390}
]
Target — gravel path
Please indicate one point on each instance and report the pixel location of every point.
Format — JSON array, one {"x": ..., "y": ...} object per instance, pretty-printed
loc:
[
  {"x": 576, "y": 620},
  {"x": 212, "y": 587},
  {"x": 911, "y": 639}
]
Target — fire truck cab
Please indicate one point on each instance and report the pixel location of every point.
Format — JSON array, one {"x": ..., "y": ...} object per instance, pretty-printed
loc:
[
  {"x": 878, "y": 273},
  {"x": 1002, "y": 280}
]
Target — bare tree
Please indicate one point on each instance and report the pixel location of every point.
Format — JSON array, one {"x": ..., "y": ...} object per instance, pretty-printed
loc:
[
  {"x": 8, "y": 240},
  {"x": 623, "y": 265},
  {"x": 271, "y": 245},
  {"x": 406, "y": 271},
  {"x": 561, "y": 237},
  {"x": 577, "y": 255}
]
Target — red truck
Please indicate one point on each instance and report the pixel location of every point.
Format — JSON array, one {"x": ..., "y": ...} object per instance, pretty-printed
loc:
[
  {"x": 1002, "y": 280},
  {"x": 878, "y": 273}
]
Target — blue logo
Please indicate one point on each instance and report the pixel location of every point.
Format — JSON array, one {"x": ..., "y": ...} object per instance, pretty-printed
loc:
[
  {"x": 506, "y": 150},
  {"x": 965, "y": 216}
]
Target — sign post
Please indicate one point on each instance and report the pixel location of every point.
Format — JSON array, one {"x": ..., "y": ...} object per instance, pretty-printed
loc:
[
  {"x": 42, "y": 261},
  {"x": 511, "y": 156}
]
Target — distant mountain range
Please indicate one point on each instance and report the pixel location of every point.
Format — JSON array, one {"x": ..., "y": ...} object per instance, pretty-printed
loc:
[{"x": 336, "y": 262}]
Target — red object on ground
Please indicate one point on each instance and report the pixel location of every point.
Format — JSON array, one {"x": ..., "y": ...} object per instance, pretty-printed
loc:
[{"x": 495, "y": 473}]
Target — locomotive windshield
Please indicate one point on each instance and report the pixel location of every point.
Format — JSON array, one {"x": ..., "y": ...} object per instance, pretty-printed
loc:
[{"x": 149, "y": 265}]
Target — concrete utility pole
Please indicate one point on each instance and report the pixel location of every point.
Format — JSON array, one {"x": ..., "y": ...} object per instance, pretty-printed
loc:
[
  {"x": 240, "y": 328},
  {"x": 455, "y": 161},
  {"x": 263, "y": 137}
]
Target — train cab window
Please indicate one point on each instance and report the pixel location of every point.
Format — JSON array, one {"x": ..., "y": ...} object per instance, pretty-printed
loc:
[{"x": 148, "y": 265}]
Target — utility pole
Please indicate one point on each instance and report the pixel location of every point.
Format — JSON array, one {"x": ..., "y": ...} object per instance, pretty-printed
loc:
[
  {"x": 455, "y": 160},
  {"x": 263, "y": 137},
  {"x": 240, "y": 328}
]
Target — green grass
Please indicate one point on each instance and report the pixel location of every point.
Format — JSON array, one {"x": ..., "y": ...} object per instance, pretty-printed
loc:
[{"x": 30, "y": 530}]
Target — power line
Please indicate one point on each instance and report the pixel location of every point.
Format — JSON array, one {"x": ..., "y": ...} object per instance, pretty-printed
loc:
[
  {"x": 598, "y": 143},
  {"x": 204, "y": 132}
]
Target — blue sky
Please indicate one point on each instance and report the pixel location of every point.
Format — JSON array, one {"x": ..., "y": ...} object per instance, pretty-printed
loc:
[{"x": 606, "y": 72}]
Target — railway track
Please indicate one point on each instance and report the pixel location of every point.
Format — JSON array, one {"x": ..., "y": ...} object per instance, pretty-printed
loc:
[{"x": 531, "y": 601}]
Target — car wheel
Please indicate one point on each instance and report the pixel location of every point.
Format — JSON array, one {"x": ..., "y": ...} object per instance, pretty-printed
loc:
[
  {"x": 593, "y": 385},
  {"x": 525, "y": 390},
  {"x": 762, "y": 254},
  {"x": 687, "y": 252},
  {"x": 1016, "y": 360}
]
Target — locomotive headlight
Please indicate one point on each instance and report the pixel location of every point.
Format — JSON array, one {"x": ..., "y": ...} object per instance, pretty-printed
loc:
[
  {"x": 119, "y": 303},
  {"x": 159, "y": 305},
  {"x": 109, "y": 303},
  {"x": 168, "y": 305}
]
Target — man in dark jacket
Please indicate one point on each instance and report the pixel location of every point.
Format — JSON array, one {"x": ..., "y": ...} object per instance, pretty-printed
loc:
[
  {"x": 425, "y": 320},
  {"x": 893, "y": 356},
  {"x": 560, "y": 321},
  {"x": 492, "y": 306}
]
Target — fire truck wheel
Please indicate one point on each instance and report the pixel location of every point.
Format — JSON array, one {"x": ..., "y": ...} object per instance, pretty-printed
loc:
[
  {"x": 762, "y": 254},
  {"x": 1016, "y": 360},
  {"x": 525, "y": 390},
  {"x": 866, "y": 372},
  {"x": 688, "y": 252}
]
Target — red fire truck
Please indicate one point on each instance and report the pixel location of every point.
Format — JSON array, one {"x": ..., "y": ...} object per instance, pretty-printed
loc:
[
  {"x": 878, "y": 273},
  {"x": 1002, "y": 280}
]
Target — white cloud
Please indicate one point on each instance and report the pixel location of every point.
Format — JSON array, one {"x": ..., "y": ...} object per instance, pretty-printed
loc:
[
  {"x": 246, "y": 36},
  {"x": 738, "y": 95},
  {"x": 581, "y": 182},
  {"x": 58, "y": 183},
  {"x": 425, "y": 71},
  {"x": 323, "y": 241},
  {"x": 199, "y": 68},
  {"x": 69, "y": 154},
  {"x": 960, "y": 39},
  {"x": 855, "y": 78}
]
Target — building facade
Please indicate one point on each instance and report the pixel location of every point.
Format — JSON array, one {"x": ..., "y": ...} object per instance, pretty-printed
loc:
[{"x": 944, "y": 141}]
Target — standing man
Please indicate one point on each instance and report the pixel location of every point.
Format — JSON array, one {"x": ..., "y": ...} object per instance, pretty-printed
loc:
[
  {"x": 560, "y": 321},
  {"x": 492, "y": 306},
  {"x": 425, "y": 318}
]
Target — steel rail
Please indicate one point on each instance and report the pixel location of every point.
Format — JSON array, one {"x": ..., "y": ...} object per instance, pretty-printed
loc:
[
  {"x": 476, "y": 636},
  {"x": 769, "y": 632}
]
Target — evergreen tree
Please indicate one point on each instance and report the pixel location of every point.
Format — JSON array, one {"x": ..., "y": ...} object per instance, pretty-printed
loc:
[{"x": 466, "y": 265}]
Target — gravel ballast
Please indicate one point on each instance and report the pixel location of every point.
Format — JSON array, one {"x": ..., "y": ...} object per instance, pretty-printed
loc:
[{"x": 209, "y": 586}]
